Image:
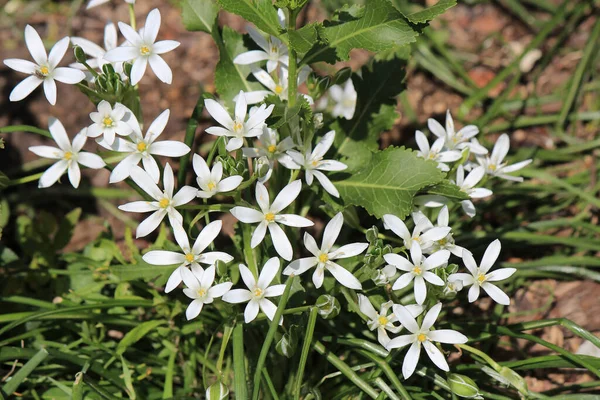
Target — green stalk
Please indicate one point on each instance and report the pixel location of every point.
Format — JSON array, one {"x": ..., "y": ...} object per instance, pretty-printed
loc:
[
  {"x": 310, "y": 330},
  {"x": 24, "y": 372},
  {"x": 132, "y": 17},
  {"x": 264, "y": 351},
  {"x": 168, "y": 387},
  {"x": 387, "y": 370},
  {"x": 224, "y": 342},
  {"x": 190, "y": 133},
  {"x": 25, "y": 128},
  {"x": 292, "y": 63},
  {"x": 239, "y": 367},
  {"x": 25, "y": 179}
]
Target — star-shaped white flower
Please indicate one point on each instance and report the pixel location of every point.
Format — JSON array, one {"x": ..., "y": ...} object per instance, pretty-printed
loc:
[
  {"x": 95, "y": 3},
  {"x": 200, "y": 288},
  {"x": 210, "y": 182},
  {"x": 383, "y": 321},
  {"x": 419, "y": 270},
  {"x": 423, "y": 336},
  {"x": 239, "y": 128},
  {"x": 273, "y": 51},
  {"x": 45, "y": 68},
  {"x": 97, "y": 53},
  {"x": 424, "y": 232},
  {"x": 277, "y": 87},
  {"x": 480, "y": 278},
  {"x": 269, "y": 147},
  {"x": 494, "y": 165},
  {"x": 191, "y": 256},
  {"x": 344, "y": 98},
  {"x": 436, "y": 152},
  {"x": 467, "y": 185},
  {"x": 164, "y": 203},
  {"x": 323, "y": 258},
  {"x": 144, "y": 148},
  {"x": 69, "y": 156},
  {"x": 258, "y": 291},
  {"x": 143, "y": 49},
  {"x": 456, "y": 140},
  {"x": 446, "y": 243},
  {"x": 269, "y": 217},
  {"x": 109, "y": 121},
  {"x": 313, "y": 163}
]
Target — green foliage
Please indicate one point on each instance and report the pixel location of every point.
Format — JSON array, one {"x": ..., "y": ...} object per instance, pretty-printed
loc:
[
  {"x": 446, "y": 189},
  {"x": 199, "y": 15},
  {"x": 430, "y": 13},
  {"x": 260, "y": 12}
]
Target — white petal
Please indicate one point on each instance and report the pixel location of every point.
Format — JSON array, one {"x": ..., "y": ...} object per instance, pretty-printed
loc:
[
  {"x": 500, "y": 274},
  {"x": 516, "y": 166},
  {"x": 161, "y": 68},
  {"x": 24, "y": 66},
  {"x": 431, "y": 316},
  {"x": 436, "y": 356},
  {"x": 469, "y": 262},
  {"x": 123, "y": 169},
  {"x": 349, "y": 250},
  {"x": 138, "y": 207},
  {"x": 164, "y": 46},
  {"x": 490, "y": 256},
  {"x": 169, "y": 148},
  {"x": 230, "y": 183},
  {"x": 343, "y": 276},
  {"x": 403, "y": 281},
  {"x": 194, "y": 309},
  {"x": 327, "y": 185},
  {"x": 237, "y": 296},
  {"x": 220, "y": 289},
  {"x": 436, "y": 128},
  {"x": 416, "y": 253},
  {"x": 121, "y": 54},
  {"x": 281, "y": 242},
  {"x": 436, "y": 259},
  {"x": 323, "y": 146},
  {"x": 250, "y": 57},
  {"x": 474, "y": 177},
  {"x": 398, "y": 261},
  {"x": 240, "y": 107},
  {"x": 262, "y": 197},
  {"x": 208, "y": 277},
  {"x": 410, "y": 360},
  {"x": 274, "y": 291},
  {"x": 151, "y": 167},
  {"x": 434, "y": 234},
  {"x": 247, "y": 215},
  {"x": 234, "y": 144},
  {"x": 130, "y": 34},
  {"x": 399, "y": 342},
  {"x": 35, "y": 45},
  {"x": 258, "y": 235},
  {"x": 24, "y": 88},
  {"x": 300, "y": 266},
  {"x": 247, "y": 276},
  {"x": 479, "y": 193},
  {"x": 184, "y": 196},
  {"x": 468, "y": 207},
  {"x": 397, "y": 226},
  {"x": 52, "y": 174},
  {"x": 269, "y": 309},
  {"x": 500, "y": 149},
  {"x": 163, "y": 257},
  {"x": 447, "y": 336},
  {"x": 473, "y": 293},
  {"x": 433, "y": 278},
  {"x": 495, "y": 293},
  {"x": 331, "y": 165},
  {"x": 251, "y": 311},
  {"x": 311, "y": 244},
  {"x": 174, "y": 280},
  {"x": 47, "y": 152},
  {"x": 138, "y": 69},
  {"x": 287, "y": 195},
  {"x": 200, "y": 168},
  {"x": 58, "y": 52},
  {"x": 318, "y": 277},
  {"x": 218, "y": 113},
  {"x": 293, "y": 220},
  {"x": 207, "y": 236},
  {"x": 366, "y": 307},
  {"x": 420, "y": 290},
  {"x": 150, "y": 224},
  {"x": 331, "y": 232},
  {"x": 152, "y": 26},
  {"x": 422, "y": 142},
  {"x": 50, "y": 90}
]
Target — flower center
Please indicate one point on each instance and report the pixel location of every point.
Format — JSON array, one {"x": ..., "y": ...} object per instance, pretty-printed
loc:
[
  {"x": 258, "y": 292},
  {"x": 323, "y": 258},
  {"x": 189, "y": 257},
  {"x": 164, "y": 202},
  {"x": 272, "y": 148},
  {"x": 348, "y": 103},
  {"x": 144, "y": 50},
  {"x": 432, "y": 155},
  {"x": 270, "y": 217},
  {"x": 201, "y": 292},
  {"x": 278, "y": 89},
  {"x": 108, "y": 122},
  {"x": 141, "y": 147},
  {"x": 492, "y": 167},
  {"x": 382, "y": 320},
  {"x": 451, "y": 286},
  {"x": 44, "y": 70},
  {"x": 68, "y": 155},
  {"x": 443, "y": 242},
  {"x": 421, "y": 337},
  {"x": 417, "y": 270},
  {"x": 274, "y": 49},
  {"x": 238, "y": 126},
  {"x": 211, "y": 186},
  {"x": 481, "y": 278}
]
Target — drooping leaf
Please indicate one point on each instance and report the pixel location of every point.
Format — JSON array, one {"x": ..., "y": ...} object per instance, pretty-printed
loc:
[
  {"x": 446, "y": 189},
  {"x": 199, "y": 15},
  {"x": 260, "y": 12},
  {"x": 430, "y": 13},
  {"x": 136, "y": 334},
  {"x": 389, "y": 182}
]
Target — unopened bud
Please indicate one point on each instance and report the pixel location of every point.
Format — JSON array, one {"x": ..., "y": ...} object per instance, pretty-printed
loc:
[
  {"x": 463, "y": 386},
  {"x": 328, "y": 306},
  {"x": 108, "y": 69},
  {"x": 79, "y": 54},
  {"x": 221, "y": 268},
  {"x": 372, "y": 234},
  {"x": 379, "y": 278},
  {"x": 217, "y": 391},
  {"x": 262, "y": 167},
  {"x": 323, "y": 83},
  {"x": 342, "y": 75},
  {"x": 318, "y": 120}
]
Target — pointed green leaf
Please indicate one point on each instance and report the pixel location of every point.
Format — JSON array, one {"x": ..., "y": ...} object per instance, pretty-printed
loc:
[
  {"x": 199, "y": 15},
  {"x": 137, "y": 334},
  {"x": 430, "y": 13},
  {"x": 446, "y": 189},
  {"x": 303, "y": 39},
  {"x": 260, "y": 12}
]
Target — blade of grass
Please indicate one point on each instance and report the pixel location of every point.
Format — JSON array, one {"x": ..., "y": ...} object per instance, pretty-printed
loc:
[
  {"x": 11, "y": 386},
  {"x": 310, "y": 329},
  {"x": 239, "y": 367}
]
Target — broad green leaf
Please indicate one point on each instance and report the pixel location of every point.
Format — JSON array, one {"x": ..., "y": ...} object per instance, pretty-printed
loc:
[
  {"x": 141, "y": 270},
  {"x": 430, "y": 13},
  {"x": 199, "y": 15},
  {"x": 446, "y": 189},
  {"x": 389, "y": 182},
  {"x": 137, "y": 334},
  {"x": 260, "y": 12},
  {"x": 303, "y": 39},
  {"x": 230, "y": 78}
]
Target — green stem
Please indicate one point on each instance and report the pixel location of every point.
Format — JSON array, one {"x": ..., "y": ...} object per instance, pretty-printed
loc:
[
  {"x": 25, "y": 128},
  {"x": 190, "y": 134},
  {"x": 25, "y": 179},
  {"x": 264, "y": 351},
  {"x": 239, "y": 367},
  {"x": 292, "y": 63},
  {"x": 387, "y": 370},
  {"x": 132, "y": 17},
  {"x": 310, "y": 330}
]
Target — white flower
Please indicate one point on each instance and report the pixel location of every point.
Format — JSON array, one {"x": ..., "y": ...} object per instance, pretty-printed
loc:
[
  {"x": 453, "y": 286},
  {"x": 109, "y": 121},
  {"x": 269, "y": 217},
  {"x": 436, "y": 152},
  {"x": 494, "y": 164},
  {"x": 345, "y": 100},
  {"x": 384, "y": 275},
  {"x": 69, "y": 156},
  {"x": 456, "y": 140},
  {"x": 423, "y": 336},
  {"x": 191, "y": 256},
  {"x": 480, "y": 278},
  {"x": 323, "y": 258},
  {"x": 240, "y": 128},
  {"x": 142, "y": 50},
  {"x": 92, "y": 49},
  {"x": 382, "y": 321},
  {"x": 164, "y": 203},
  {"x": 257, "y": 291},
  {"x": 313, "y": 163},
  {"x": 424, "y": 232},
  {"x": 95, "y": 3},
  {"x": 272, "y": 150},
  {"x": 447, "y": 242},
  {"x": 143, "y": 148},
  {"x": 200, "y": 288},
  {"x": 467, "y": 185},
  {"x": 210, "y": 182},
  {"x": 273, "y": 51},
  {"x": 418, "y": 270},
  {"x": 44, "y": 70},
  {"x": 278, "y": 88}
]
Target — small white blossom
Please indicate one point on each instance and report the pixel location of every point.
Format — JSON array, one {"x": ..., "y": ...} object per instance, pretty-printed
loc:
[
  {"x": 436, "y": 152},
  {"x": 92, "y": 49},
  {"x": 424, "y": 233},
  {"x": 467, "y": 185},
  {"x": 344, "y": 98},
  {"x": 452, "y": 287},
  {"x": 143, "y": 148},
  {"x": 456, "y": 140},
  {"x": 278, "y": 88},
  {"x": 109, "y": 121},
  {"x": 143, "y": 49},
  {"x": 210, "y": 182},
  {"x": 240, "y": 128},
  {"x": 271, "y": 149},
  {"x": 273, "y": 51},
  {"x": 423, "y": 336},
  {"x": 69, "y": 156},
  {"x": 258, "y": 291},
  {"x": 200, "y": 288},
  {"x": 313, "y": 163},
  {"x": 269, "y": 217},
  {"x": 95, "y": 3},
  {"x": 323, "y": 258},
  {"x": 494, "y": 164},
  {"x": 191, "y": 256},
  {"x": 479, "y": 277},
  {"x": 45, "y": 68},
  {"x": 164, "y": 203},
  {"x": 419, "y": 270},
  {"x": 447, "y": 242}
]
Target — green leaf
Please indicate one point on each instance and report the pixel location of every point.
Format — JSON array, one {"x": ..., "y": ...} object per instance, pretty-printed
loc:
[
  {"x": 230, "y": 78},
  {"x": 430, "y": 13},
  {"x": 303, "y": 39},
  {"x": 389, "y": 182},
  {"x": 260, "y": 12},
  {"x": 199, "y": 15},
  {"x": 141, "y": 270},
  {"x": 447, "y": 189},
  {"x": 66, "y": 228},
  {"x": 137, "y": 334}
]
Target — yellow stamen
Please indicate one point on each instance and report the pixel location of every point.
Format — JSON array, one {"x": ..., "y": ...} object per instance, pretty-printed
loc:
[
  {"x": 141, "y": 147},
  {"x": 189, "y": 257},
  {"x": 421, "y": 337},
  {"x": 272, "y": 148},
  {"x": 417, "y": 270},
  {"x": 492, "y": 167},
  {"x": 278, "y": 89},
  {"x": 145, "y": 50},
  {"x": 315, "y": 163},
  {"x": 44, "y": 70},
  {"x": 270, "y": 217},
  {"x": 481, "y": 278},
  {"x": 201, "y": 292},
  {"x": 68, "y": 155},
  {"x": 164, "y": 203},
  {"x": 107, "y": 121},
  {"x": 274, "y": 49},
  {"x": 323, "y": 258},
  {"x": 442, "y": 242},
  {"x": 258, "y": 292},
  {"x": 382, "y": 320},
  {"x": 211, "y": 186},
  {"x": 237, "y": 127}
]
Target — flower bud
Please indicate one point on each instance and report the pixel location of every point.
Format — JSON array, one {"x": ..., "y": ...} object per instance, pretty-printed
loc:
[
  {"x": 79, "y": 55},
  {"x": 323, "y": 83},
  {"x": 463, "y": 386},
  {"x": 379, "y": 278},
  {"x": 372, "y": 234},
  {"x": 328, "y": 306},
  {"x": 318, "y": 120},
  {"x": 108, "y": 69},
  {"x": 221, "y": 268},
  {"x": 288, "y": 344},
  {"x": 217, "y": 391},
  {"x": 262, "y": 166},
  {"x": 342, "y": 75},
  {"x": 127, "y": 69}
]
